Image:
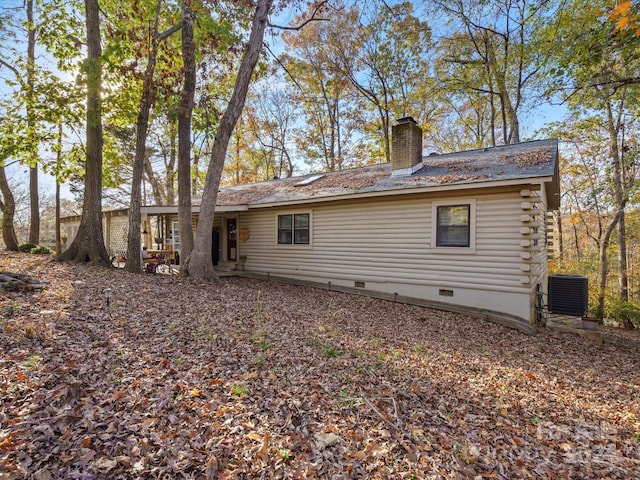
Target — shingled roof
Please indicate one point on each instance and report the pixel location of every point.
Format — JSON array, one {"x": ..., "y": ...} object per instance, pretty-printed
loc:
[{"x": 508, "y": 163}]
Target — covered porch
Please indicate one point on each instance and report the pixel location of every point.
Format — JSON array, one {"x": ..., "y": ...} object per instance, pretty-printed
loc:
[{"x": 160, "y": 233}]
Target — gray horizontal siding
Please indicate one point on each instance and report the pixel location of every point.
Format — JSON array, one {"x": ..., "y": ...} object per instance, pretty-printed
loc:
[
  {"x": 386, "y": 243},
  {"x": 390, "y": 241}
]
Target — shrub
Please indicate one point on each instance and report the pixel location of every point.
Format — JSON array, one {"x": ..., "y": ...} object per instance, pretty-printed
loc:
[
  {"x": 621, "y": 311},
  {"x": 41, "y": 250},
  {"x": 26, "y": 247}
]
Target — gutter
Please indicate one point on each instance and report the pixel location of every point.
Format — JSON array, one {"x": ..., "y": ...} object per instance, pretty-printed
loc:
[{"x": 173, "y": 209}]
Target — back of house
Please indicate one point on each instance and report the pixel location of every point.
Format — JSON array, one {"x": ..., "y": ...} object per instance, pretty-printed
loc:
[{"x": 464, "y": 231}]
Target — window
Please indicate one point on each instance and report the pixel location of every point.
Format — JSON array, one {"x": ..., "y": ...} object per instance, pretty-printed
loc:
[
  {"x": 293, "y": 229},
  {"x": 453, "y": 226}
]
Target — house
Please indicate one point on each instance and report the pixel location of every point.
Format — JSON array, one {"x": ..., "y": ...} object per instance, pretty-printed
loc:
[{"x": 463, "y": 231}]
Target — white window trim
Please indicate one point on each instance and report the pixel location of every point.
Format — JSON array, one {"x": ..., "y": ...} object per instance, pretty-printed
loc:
[
  {"x": 471, "y": 249},
  {"x": 294, "y": 245}
]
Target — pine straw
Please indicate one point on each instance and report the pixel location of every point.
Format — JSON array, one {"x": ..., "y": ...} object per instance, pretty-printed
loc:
[{"x": 255, "y": 379}]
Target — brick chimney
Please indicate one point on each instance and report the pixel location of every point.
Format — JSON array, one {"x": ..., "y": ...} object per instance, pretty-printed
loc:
[{"x": 406, "y": 147}]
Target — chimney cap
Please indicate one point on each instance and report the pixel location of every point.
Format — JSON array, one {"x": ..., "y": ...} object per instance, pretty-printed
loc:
[{"x": 406, "y": 120}]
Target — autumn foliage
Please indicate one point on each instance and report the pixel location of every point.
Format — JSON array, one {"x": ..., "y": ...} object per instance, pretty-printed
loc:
[{"x": 625, "y": 18}]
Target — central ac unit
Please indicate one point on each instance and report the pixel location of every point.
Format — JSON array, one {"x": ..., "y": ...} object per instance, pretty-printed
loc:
[{"x": 568, "y": 294}]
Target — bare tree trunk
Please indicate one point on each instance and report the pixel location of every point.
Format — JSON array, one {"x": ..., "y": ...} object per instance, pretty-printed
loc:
[
  {"x": 623, "y": 273},
  {"x": 621, "y": 199},
  {"x": 34, "y": 200},
  {"x": 621, "y": 196},
  {"x": 134, "y": 259},
  {"x": 199, "y": 265},
  {"x": 8, "y": 207},
  {"x": 194, "y": 182},
  {"x": 58, "y": 164},
  {"x": 557, "y": 215},
  {"x": 604, "y": 263},
  {"x": 89, "y": 242},
  {"x": 386, "y": 125},
  {"x": 58, "y": 236},
  {"x": 184, "y": 131},
  {"x": 623, "y": 276},
  {"x": 156, "y": 187},
  {"x": 510, "y": 121},
  {"x": 492, "y": 121},
  {"x": 170, "y": 178}
]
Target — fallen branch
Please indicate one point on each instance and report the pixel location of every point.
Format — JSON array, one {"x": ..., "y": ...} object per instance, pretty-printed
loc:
[
  {"x": 408, "y": 436},
  {"x": 13, "y": 282}
]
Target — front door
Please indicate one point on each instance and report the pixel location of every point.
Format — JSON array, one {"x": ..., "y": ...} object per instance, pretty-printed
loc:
[{"x": 232, "y": 242}]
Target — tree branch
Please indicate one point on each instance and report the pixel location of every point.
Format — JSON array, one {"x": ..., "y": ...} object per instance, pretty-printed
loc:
[
  {"x": 308, "y": 20},
  {"x": 463, "y": 61},
  {"x": 282, "y": 65},
  {"x": 12, "y": 68},
  {"x": 169, "y": 32}
]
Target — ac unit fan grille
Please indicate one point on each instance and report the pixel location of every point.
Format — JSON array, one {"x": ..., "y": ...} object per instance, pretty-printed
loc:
[{"x": 568, "y": 294}]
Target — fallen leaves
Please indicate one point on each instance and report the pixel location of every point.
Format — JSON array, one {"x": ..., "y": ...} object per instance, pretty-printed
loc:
[
  {"x": 536, "y": 157},
  {"x": 325, "y": 440},
  {"x": 231, "y": 381}
]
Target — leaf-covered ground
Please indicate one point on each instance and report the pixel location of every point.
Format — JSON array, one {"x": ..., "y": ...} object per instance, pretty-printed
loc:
[{"x": 253, "y": 379}]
